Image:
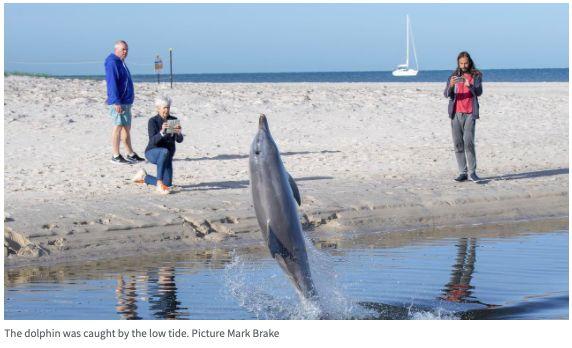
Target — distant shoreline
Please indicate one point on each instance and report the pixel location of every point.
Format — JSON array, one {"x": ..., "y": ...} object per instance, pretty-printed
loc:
[{"x": 491, "y": 75}]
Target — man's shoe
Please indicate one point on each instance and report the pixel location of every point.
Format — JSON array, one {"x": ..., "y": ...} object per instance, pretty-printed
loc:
[
  {"x": 461, "y": 177},
  {"x": 474, "y": 177},
  {"x": 135, "y": 158},
  {"x": 139, "y": 178},
  {"x": 119, "y": 160}
]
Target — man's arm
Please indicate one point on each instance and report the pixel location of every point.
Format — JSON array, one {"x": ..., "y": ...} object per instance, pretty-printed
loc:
[
  {"x": 111, "y": 77},
  {"x": 449, "y": 90},
  {"x": 477, "y": 86}
]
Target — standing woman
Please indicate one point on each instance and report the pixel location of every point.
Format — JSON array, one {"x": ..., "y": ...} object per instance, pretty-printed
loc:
[
  {"x": 161, "y": 148},
  {"x": 463, "y": 88}
]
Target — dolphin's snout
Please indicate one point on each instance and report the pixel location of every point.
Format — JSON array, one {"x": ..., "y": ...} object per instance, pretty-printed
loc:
[
  {"x": 262, "y": 123},
  {"x": 262, "y": 132}
]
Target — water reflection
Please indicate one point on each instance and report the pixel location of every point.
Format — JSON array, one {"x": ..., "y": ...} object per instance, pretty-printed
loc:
[
  {"x": 126, "y": 293},
  {"x": 157, "y": 287},
  {"x": 457, "y": 291},
  {"x": 459, "y": 288},
  {"x": 163, "y": 294}
]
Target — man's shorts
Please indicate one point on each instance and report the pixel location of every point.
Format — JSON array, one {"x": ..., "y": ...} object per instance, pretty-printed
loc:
[{"x": 123, "y": 119}]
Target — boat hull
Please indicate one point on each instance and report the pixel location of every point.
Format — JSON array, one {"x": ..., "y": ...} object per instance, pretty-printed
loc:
[{"x": 408, "y": 72}]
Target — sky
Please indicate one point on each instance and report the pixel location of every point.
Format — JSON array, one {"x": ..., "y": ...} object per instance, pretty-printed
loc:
[{"x": 74, "y": 39}]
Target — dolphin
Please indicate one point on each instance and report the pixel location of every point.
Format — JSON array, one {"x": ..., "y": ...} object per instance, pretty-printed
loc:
[{"x": 275, "y": 195}]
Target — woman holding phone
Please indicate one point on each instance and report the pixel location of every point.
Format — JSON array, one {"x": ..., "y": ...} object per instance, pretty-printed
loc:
[
  {"x": 164, "y": 132},
  {"x": 464, "y": 86}
]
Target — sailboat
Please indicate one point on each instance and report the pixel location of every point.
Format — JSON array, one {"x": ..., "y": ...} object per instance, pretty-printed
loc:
[{"x": 404, "y": 69}]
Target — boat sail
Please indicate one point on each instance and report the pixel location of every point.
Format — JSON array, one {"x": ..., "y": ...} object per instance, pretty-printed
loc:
[{"x": 404, "y": 69}]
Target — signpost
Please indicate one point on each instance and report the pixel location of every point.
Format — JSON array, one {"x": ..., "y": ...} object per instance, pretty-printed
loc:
[{"x": 158, "y": 68}]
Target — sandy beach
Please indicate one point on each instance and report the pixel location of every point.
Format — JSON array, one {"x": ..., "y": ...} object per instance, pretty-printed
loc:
[{"x": 366, "y": 157}]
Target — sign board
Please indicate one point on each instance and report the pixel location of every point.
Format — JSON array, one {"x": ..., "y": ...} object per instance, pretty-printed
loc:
[{"x": 158, "y": 65}]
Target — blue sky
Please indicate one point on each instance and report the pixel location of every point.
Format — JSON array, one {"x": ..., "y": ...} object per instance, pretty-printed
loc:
[{"x": 221, "y": 38}]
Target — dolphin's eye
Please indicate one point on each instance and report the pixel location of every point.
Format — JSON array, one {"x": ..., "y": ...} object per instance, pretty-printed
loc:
[{"x": 257, "y": 152}]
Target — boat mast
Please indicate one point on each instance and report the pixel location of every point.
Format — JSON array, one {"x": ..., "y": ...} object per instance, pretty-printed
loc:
[
  {"x": 407, "y": 50},
  {"x": 413, "y": 44}
]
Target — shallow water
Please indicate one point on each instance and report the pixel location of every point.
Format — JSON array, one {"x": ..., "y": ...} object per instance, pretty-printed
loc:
[{"x": 518, "y": 275}]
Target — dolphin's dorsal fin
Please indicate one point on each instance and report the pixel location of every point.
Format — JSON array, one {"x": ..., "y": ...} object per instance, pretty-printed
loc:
[{"x": 295, "y": 190}]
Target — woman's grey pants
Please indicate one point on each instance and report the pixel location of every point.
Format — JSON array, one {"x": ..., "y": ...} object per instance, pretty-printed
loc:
[{"x": 463, "y": 127}]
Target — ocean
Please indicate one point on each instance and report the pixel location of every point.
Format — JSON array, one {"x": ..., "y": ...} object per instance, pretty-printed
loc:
[{"x": 489, "y": 75}]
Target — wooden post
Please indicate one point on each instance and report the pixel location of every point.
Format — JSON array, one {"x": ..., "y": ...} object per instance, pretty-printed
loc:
[{"x": 171, "y": 65}]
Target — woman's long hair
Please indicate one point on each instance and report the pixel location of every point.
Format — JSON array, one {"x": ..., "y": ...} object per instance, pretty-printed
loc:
[{"x": 472, "y": 68}]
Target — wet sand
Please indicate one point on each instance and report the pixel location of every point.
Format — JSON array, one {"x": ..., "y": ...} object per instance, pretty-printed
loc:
[
  {"x": 366, "y": 156},
  {"x": 219, "y": 256}
]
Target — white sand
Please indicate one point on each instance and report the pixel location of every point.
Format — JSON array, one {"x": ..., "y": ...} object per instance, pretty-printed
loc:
[{"x": 365, "y": 156}]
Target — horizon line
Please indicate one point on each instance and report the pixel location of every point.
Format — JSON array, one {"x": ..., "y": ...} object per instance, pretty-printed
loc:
[{"x": 277, "y": 72}]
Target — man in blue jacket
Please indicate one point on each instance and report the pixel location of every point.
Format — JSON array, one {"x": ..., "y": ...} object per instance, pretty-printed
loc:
[{"x": 120, "y": 95}]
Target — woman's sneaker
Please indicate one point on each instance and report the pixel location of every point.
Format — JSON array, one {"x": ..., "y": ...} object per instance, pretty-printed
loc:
[
  {"x": 163, "y": 189},
  {"x": 139, "y": 178}
]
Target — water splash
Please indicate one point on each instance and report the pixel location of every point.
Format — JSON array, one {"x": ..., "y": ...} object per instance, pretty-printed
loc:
[
  {"x": 434, "y": 314},
  {"x": 333, "y": 299},
  {"x": 264, "y": 290}
]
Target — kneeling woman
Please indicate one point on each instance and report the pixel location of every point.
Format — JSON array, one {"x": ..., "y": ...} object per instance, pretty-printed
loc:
[{"x": 161, "y": 148}]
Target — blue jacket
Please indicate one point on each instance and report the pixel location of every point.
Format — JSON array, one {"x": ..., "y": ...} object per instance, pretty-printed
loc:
[
  {"x": 119, "y": 83},
  {"x": 476, "y": 90},
  {"x": 156, "y": 139}
]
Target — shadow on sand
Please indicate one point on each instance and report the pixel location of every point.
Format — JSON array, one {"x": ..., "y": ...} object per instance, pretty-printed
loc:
[
  {"x": 527, "y": 175},
  {"x": 233, "y": 157},
  {"x": 226, "y": 185}
]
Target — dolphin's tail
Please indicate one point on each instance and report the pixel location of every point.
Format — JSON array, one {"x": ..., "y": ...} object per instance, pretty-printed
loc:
[{"x": 312, "y": 305}]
